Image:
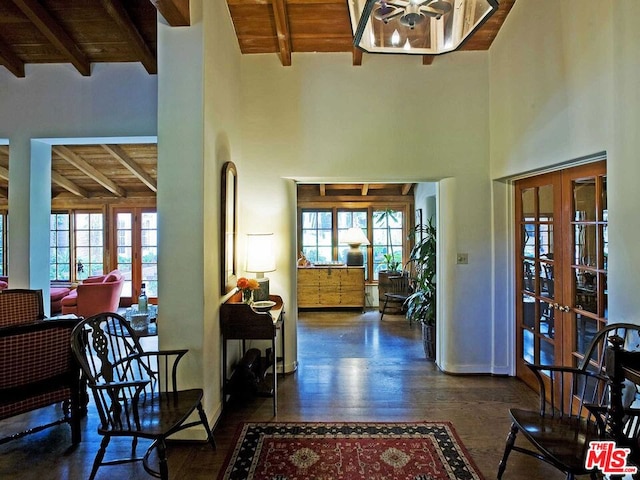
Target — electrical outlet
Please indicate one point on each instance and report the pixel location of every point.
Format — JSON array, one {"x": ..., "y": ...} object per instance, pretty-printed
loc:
[{"x": 462, "y": 258}]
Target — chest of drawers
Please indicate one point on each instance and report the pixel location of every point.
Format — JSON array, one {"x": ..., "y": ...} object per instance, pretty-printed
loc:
[{"x": 331, "y": 287}]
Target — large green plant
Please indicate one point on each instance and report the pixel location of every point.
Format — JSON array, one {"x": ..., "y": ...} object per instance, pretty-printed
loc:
[
  {"x": 384, "y": 218},
  {"x": 421, "y": 304}
]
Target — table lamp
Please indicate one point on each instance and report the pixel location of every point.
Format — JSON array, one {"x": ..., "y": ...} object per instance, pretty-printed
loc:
[
  {"x": 354, "y": 238},
  {"x": 260, "y": 259}
]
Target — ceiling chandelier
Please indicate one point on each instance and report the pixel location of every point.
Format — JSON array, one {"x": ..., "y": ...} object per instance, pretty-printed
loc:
[{"x": 429, "y": 27}]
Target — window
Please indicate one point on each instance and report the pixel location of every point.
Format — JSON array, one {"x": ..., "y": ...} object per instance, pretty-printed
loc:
[
  {"x": 317, "y": 235},
  {"x": 89, "y": 247},
  {"x": 322, "y": 230},
  {"x": 60, "y": 247},
  {"x": 71, "y": 262},
  {"x": 388, "y": 240},
  {"x": 346, "y": 220}
]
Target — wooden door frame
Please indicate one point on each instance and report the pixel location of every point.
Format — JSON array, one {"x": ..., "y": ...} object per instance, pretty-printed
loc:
[{"x": 593, "y": 163}]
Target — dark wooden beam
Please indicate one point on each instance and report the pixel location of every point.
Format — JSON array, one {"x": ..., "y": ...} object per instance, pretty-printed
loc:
[
  {"x": 55, "y": 34},
  {"x": 357, "y": 57},
  {"x": 282, "y": 31},
  {"x": 121, "y": 17},
  {"x": 175, "y": 12},
  {"x": 428, "y": 59},
  {"x": 10, "y": 60},
  {"x": 406, "y": 188}
]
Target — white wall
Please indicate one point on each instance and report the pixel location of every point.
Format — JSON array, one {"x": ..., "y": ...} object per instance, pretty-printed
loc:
[
  {"x": 564, "y": 86},
  {"x": 198, "y": 131},
  {"x": 390, "y": 119}
]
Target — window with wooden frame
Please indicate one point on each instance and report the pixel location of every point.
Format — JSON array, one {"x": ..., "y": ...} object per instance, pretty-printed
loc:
[
  {"x": 76, "y": 245},
  {"x": 325, "y": 212}
]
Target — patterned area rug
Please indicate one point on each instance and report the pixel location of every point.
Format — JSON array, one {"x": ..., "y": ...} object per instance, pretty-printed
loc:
[{"x": 348, "y": 451}]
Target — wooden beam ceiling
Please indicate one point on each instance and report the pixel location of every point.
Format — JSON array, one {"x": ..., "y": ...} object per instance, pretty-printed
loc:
[
  {"x": 133, "y": 37},
  {"x": 285, "y": 27},
  {"x": 118, "y": 153},
  {"x": 77, "y": 32},
  {"x": 50, "y": 28}
]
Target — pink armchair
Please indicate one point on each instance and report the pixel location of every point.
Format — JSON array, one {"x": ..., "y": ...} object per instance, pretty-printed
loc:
[{"x": 95, "y": 295}]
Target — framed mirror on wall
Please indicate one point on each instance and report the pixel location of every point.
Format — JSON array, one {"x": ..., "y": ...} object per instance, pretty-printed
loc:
[{"x": 229, "y": 228}]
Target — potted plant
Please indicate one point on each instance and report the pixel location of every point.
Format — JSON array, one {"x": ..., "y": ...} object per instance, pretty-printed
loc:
[
  {"x": 421, "y": 304},
  {"x": 391, "y": 264}
]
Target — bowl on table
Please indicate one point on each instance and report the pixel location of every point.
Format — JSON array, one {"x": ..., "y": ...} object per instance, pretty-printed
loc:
[{"x": 263, "y": 305}]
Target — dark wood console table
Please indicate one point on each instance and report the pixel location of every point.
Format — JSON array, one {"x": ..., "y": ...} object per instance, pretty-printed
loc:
[{"x": 238, "y": 321}]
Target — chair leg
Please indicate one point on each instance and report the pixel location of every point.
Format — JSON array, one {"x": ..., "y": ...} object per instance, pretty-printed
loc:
[
  {"x": 384, "y": 307},
  {"x": 511, "y": 439},
  {"x": 161, "y": 448},
  {"x": 205, "y": 422},
  {"x": 99, "y": 456}
]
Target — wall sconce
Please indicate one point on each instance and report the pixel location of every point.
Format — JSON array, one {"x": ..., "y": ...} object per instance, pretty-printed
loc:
[
  {"x": 429, "y": 27},
  {"x": 260, "y": 259},
  {"x": 354, "y": 237}
]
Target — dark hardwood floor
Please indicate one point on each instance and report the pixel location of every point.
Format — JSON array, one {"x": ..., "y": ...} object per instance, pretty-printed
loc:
[{"x": 352, "y": 367}]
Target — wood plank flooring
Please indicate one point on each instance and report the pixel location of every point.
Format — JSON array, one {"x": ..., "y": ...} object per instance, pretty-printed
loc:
[{"x": 352, "y": 367}]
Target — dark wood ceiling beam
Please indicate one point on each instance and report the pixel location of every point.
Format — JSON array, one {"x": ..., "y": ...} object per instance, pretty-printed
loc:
[
  {"x": 4, "y": 173},
  {"x": 323, "y": 190},
  {"x": 130, "y": 164},
  {"x": 4, "y": 192},
  {"x": 364, "y": 190},
  {"x": 119, "y": 14},
  {"x": 68, "y": 185},
  {"x": 55, "y": 34},
  {"x": 175, "y": 12},
  {"x": 89, "y": 170},
  {"x": 357, "y": 57},
  {"x": 282, "y": 31},
  {"x": 428, "y": 59},
  {"x": 4, "y": 149},
  {"x": 406, "y": 188},
  {"x": 10, "y": 60}
]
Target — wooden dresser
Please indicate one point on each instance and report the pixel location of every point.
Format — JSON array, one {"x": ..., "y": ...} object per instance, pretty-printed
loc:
[{"x": 324, "y": 287}]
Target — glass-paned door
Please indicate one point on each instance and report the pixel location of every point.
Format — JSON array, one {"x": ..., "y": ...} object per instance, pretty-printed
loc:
[
  {"x": 136, "y": 247},
  {"x": 561, "y": 246}
]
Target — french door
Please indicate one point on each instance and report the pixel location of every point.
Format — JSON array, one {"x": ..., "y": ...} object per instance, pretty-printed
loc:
[
  {"x": 136, "y": 245},
  {"x": 561, "y": 265}
]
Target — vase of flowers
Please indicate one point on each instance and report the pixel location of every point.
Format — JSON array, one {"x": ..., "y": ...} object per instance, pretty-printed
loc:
[{"x": 246, "y": 286}]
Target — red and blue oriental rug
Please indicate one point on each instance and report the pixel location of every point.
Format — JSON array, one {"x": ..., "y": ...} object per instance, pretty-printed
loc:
[{"x": 348, "y": 451}]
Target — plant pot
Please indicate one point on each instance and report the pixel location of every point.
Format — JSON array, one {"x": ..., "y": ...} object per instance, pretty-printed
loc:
[
  {"x": 429, "y": 341},
  {"x": 384, "y": 286}
]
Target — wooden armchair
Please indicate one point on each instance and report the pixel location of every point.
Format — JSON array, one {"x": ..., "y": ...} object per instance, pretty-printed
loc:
[
  {"x": 135, "y": 392},
  {"x": 399, "y": 291},
  {"x": 560, "y": 432}
]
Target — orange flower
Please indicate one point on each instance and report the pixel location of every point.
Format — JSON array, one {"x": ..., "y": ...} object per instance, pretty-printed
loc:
[{"x": 247, "y": 284}]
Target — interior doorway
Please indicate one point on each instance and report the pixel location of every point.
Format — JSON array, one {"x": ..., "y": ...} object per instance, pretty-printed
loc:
[{"x": 561, "y": 265}]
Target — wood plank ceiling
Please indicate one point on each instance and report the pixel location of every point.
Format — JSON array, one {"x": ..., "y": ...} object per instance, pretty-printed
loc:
[{"x": 289, "y": 26}]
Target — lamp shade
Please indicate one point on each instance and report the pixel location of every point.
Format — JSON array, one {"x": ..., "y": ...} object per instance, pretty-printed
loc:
[
  {"x": 421, "y": 27},
  {"x": 260, "y": 253},
  {"x": 355, "y": 236}
]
